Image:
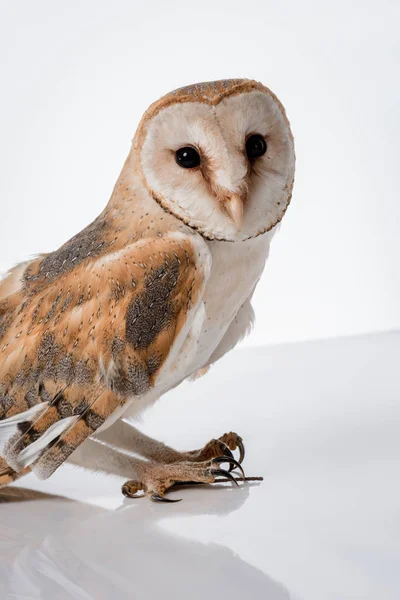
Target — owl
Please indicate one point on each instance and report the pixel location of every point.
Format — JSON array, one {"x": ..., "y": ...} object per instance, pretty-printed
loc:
[{"x": 155, "y": 290}]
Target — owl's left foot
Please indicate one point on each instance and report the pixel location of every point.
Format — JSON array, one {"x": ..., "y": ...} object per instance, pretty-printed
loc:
[{"x": 154, "y": 479}]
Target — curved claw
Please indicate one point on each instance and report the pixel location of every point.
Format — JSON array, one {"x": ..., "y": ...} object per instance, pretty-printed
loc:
[
  {"x": 158, "y": 498},
  {"x": 131, "y": 488},
  {"x": 126, "y": 492},
  {"x": 231, "y": 461},
  {"x": 242, "y": 452},
  {"x": 224, "y": 473},
  {"x": 227, "y": 451}
]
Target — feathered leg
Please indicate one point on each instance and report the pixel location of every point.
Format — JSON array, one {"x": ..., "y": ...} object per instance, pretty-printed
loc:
[
  {"x": 152, "y": 477},
  {"x": 124, "y": 436}
]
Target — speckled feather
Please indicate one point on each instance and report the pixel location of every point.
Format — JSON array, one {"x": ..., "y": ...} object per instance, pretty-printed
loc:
[{"x": 84, "y": 334}]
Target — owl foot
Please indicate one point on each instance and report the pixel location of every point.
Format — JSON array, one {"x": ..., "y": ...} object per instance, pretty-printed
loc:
[
  {"x": 222, "y": 446},
  {"x": 156, "y": 479},
  {"x": 233, "y": 441}
]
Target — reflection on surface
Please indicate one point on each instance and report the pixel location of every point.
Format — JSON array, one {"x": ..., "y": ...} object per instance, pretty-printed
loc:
[
  {"x": 54, "y": 548},
  {"x": 320, "y": 422}
]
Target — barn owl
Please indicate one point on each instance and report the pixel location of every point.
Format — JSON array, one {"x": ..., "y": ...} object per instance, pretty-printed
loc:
[{"x": 151, "y": 293}]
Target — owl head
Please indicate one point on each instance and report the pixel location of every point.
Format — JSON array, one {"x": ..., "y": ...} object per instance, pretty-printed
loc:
[{"x": 219, "y": 156}]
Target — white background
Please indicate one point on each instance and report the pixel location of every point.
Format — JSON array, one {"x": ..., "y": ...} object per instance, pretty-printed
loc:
[
  {"x": 76, "y": 77},
  {"x": 321, "y": 419}
]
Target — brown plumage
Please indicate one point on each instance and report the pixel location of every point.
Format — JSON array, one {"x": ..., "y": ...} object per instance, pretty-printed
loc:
[{"x": 75, "y": 317}]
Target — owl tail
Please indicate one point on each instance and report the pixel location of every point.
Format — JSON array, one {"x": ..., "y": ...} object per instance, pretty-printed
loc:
[{"x": 8, "y": 475}]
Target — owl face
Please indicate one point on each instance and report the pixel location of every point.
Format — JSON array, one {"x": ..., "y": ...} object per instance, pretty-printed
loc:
[{"x": 220, "y": 157}]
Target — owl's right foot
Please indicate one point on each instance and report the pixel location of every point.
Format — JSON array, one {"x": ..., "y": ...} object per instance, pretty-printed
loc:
[
  {"x": 223, "y": 446},
  {"x": 156, "y": 479}
]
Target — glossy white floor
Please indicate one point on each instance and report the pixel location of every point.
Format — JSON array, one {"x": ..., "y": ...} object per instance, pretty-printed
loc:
[{"x": 321, "y": 423}]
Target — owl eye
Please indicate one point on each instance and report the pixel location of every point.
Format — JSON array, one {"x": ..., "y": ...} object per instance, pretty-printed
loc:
[
  {"x": 256, "y": 146},
  {"x": 187, "y": 157}
]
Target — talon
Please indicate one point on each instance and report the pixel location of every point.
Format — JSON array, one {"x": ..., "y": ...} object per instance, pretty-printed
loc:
[
  {"x": 224, "y": 473},
  {"x": 130, "y": 489},
  {"x": 158, "y": 498},
  {"x": 231, "y": 461},
  {"x": 126, "y": 492},
  {"x": 227, "y": 451},
  {"x": 241, "y": 450}
]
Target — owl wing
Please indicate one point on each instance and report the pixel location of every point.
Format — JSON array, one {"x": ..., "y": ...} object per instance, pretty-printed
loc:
[{"x": 76, "y": 348}]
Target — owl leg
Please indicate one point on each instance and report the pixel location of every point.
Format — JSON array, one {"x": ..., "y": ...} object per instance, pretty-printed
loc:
[
  {"x": 152, "y": 478},
  {"x": 125, "y": 437},
  {"x": 98, "y": 457}
]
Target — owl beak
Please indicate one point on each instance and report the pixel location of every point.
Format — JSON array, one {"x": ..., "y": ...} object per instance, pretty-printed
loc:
[{"x": 234, "y": 207}]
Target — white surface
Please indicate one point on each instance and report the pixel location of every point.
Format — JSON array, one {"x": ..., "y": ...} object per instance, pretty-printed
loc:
[
  {"x": 320, "y": 421},
  {"x": 77, "y": 76}
]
